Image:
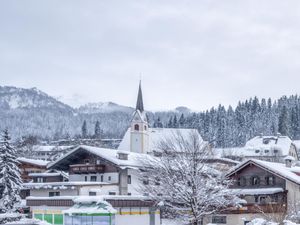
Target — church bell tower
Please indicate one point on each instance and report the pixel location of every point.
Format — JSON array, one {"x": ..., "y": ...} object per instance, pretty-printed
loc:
[{"x": 139, "y": 134}]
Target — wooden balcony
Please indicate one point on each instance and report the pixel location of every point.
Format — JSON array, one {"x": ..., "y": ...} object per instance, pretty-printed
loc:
[
  {"x": 86, "y": 168},
  {"x": 257, "y": 208}
]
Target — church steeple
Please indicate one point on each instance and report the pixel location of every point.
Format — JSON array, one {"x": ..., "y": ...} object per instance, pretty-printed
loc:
[
  {"x": 139, "y": 102},
  {"x": 139, "y": 135}
]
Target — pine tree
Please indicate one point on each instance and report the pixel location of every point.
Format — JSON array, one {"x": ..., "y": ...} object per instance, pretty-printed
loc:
[
  {"x": 84, "y": 130},
  {"x": 181, "y": 121},
  {"x": 170, "y": 123},
  {"x": 283, "y": 127},
  {"x": 175, "y": 123},
  {"x": 97, "y": 130},
  {"x": 10, "y": 179}
]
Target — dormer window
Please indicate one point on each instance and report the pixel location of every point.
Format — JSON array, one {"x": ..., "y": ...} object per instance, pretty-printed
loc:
[
  {"x": 266, "y": 141},
  {"x": 241, "y": 181},
  {"x": 255, "y": 180},
  {"x": 270, "y": 180},
  {"x": 136, "y": 127}
]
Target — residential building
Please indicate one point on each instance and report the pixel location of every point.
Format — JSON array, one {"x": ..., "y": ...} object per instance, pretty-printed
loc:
[
  {"x": 268, "y": 148},
  {"x": 269, "y": 189}
]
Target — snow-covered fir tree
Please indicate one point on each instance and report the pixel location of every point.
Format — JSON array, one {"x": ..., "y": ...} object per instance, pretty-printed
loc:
[
  {"x": 182, "y": 181},
  {"x": 84, "y": 132},
  {"x": 10, "y": 179},
  {"x": 97, "y": 130}
]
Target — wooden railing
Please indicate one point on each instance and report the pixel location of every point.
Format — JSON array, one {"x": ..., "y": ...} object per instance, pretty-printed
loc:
[
  {"x": 86, "y": 168},
  {"x": 257, "y": 208}
]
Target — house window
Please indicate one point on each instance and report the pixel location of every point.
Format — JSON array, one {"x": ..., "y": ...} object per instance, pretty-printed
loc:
[
  {"x": 241, "y": 181},
  {"x": 129, "y": 179},
  {"x": 145, "y": 127},
  {"x": 92, "y": 193},
  {"x": 157, "y": 181},
  {"x": 136, "y": 127},
  {"x": 85, "y": 178},
  {"x": 219, "y": 219},
  {"x": 262, "y": 199},
  {"x": 129, "y": 193},
  {"x": 270, "y": 180},
  {"x": 275, "y": 151},
  {"x": 86, "y": 161},
  {"x": 146, "y": 181},
  {"x": 255, "y": 181},
  {"x": 39, "y": 180},
  {"x": 275, "y": 198},
  {"x": 93, "y": 178},
  {"x": 256, "y": 198},
  {"x": 266, "y": 151},
  {"x": 111, "y": 193},
  {"x": 109, "y": 178},
  {"x": 257, "y": 151},
  {"x": 54, "y": 193},
  {"x": 101, "y": 178}
]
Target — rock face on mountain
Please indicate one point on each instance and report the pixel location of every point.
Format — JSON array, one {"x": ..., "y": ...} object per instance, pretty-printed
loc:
[
  {"x": 21, "y": 98},
  {"x": 32, "y": 112}
]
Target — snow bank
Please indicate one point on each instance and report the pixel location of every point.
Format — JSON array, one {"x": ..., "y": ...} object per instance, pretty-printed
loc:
[
  {"x": 30, "y": 221},
  {"x": 260, "y": 221}
]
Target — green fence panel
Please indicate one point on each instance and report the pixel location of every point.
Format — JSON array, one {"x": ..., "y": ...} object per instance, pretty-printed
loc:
[
  {"x": 38, "y": 216},
  {"x": 58, "y": 219},
  {"x": 48, "y": 218}
]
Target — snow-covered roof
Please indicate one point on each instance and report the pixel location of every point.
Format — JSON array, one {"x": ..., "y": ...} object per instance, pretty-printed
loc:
[
  {"x": 50, "y": 173},
  {"x": 49, "y": 148},
  {"x": 297, "y": 143},
  {"x": 44, "y": 174},
  {"x": 279, "y": 169},
  {"x": 257, "y": 191},
  {"x": 92, "y": 198},
  {"x": 88, "y": 205},
  {"x": 63, "y": 185},
  {"x": 156, "y": 135},
  {"x": 111, "y": 155},
  {"x": 281, "y": 143},
  {"x": 258, "y": 146},
  {"x": 33, "y": 161}
]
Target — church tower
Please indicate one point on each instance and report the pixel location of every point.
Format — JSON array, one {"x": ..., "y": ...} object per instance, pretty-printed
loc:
[{"x": 139, "y": 134}]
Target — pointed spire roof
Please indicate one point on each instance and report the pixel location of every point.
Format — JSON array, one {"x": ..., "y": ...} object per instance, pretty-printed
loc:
[{"x": 139, "y": 102}]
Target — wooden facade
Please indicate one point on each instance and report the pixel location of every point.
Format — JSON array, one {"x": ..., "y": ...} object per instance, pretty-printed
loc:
[{"x": 27, "y": 168}]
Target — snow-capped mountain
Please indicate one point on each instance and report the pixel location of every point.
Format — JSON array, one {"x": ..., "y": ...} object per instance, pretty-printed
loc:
[
  {"x": 103, "y": 107},
  {"x": 21, "y": 98}
]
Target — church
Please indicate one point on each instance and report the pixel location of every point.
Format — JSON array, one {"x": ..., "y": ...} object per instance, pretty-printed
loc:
[{"x": 140, "y": 138}]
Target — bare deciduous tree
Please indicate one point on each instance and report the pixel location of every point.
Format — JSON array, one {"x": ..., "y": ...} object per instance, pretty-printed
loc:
[{"x": 182, "y": 179}]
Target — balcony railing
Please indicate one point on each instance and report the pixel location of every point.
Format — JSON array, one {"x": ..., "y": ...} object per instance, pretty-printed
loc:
[
  {"x": 257, "y": 208},
  {"x": 86, "y": 168}
]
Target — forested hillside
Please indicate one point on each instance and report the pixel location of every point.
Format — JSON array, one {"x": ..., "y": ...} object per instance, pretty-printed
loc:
[
  {"x": 234, "y": 126},
  {"x": 30, "y": 112}
]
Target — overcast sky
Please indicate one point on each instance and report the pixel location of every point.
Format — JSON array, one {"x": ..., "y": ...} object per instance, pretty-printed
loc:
[{"x": 192, "y": 53}]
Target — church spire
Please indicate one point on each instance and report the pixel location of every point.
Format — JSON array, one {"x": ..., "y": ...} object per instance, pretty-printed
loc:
[{"x": 139, "y": 102}]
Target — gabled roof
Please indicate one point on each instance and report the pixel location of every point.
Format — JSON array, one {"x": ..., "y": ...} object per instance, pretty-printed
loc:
[
  {"x": 50, "y": 173},
  {"x": 278, "y": 169},
  {"x": 110, "y": 155},
  {"x": 281, "y": 143},
  {"x": 159, "y": 134},
  {"x": 36, "y": 162}
]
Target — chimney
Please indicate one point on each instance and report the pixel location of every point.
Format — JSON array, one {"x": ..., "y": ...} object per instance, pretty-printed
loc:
[
  {"x": 123, "y": 155},
  {"x": 288, "y": 161}
]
